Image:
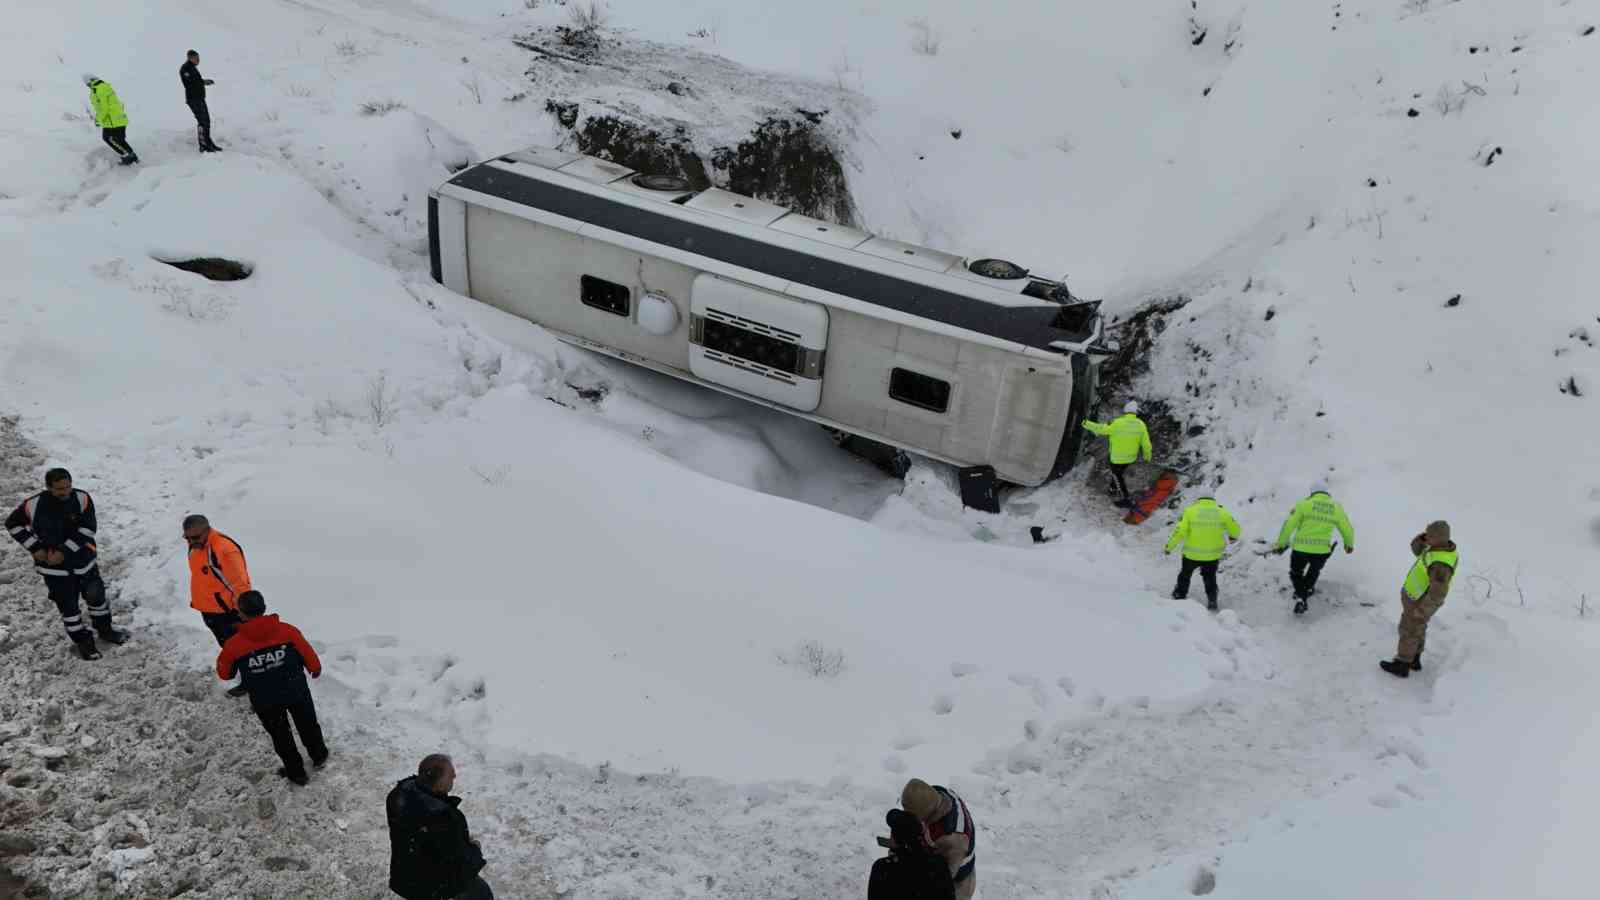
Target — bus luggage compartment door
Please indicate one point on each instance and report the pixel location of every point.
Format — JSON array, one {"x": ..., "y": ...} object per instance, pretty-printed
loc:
[{"x": 763, "y": 344}]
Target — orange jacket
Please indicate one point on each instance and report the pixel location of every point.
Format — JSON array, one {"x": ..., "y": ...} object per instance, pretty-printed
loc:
[{"x": 217, "y": 574}]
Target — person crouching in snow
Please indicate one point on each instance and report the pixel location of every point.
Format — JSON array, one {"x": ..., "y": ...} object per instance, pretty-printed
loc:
[
  {"x": 950, "y": 828},
  {"x": 913, "y": 870},
  {"x": 111, "y": 117}
]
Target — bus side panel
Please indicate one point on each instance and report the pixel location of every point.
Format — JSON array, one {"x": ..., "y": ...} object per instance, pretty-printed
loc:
[{"x": 534, "y": 271}]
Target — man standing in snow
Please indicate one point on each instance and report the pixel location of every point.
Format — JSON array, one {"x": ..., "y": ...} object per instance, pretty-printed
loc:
[
  {"x": 1422, "y": 594},
  {"x": 110, "y": 116},
  {"x": 57, "y": 526},
  {"x": 217, "y": 577},
  {"x": 1311, "y": 526},
  {"x": 1204, "y": 530},
  {"x": 432, "y": 855},
  {"x": 271, "y": 657},
  {"x": 950, "y": 828},
  {"x": 194, "y": 94},
  {"x": 1129, "y": 439}
]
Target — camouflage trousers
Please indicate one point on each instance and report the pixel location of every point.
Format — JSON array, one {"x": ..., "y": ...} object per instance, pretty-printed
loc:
[{"x": 1414, "y": 616}]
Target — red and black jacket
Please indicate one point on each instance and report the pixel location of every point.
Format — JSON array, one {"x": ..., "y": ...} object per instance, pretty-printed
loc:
[
  {"x": 272, "y": 657},
  {"x": 42, "y": 522}
]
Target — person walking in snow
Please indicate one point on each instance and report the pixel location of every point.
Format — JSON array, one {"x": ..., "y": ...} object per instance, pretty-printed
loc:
[
  {"x": 1423, "y": 593},
  {"x": 1310, "y": 525},
  {"x": 1129, "y": 438},
  {"x": 1204, "y": 530},
  {"x": 194, "y": 94},
  {"x": 111, "y": 117},
  {"x": 57, "y": 526},
  {"x": 272, "y": 657},
  {"x": 218, "y": 576},
  {"x": 950, "y": 830},
  {"x": 432, "y": 855}
]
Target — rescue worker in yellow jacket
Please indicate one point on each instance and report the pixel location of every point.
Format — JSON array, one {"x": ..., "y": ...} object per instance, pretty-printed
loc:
[
  {"x": 1129, "y": 439},
  {"x": 111, "y": 117},
  {"x": 1423, "y": 593},
  {"x": 1205, "y": 530},
  {"x": 1311, "y": 526}
]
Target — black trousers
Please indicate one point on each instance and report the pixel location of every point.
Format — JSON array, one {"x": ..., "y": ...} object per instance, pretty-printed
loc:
[
  {"x": 65, "y": 591},
  {"x": 477, "y": 890},
  {"x": 117, "y": 139},
  {"x": 1304, "y": 569},
  {"x": 222, "y": 625},
  {"x": 275, "y": 719},
  {"x": 202, "y": 122},
  {"x": 1119, "y": 471},
  {"x": 1208, "y": 574}
]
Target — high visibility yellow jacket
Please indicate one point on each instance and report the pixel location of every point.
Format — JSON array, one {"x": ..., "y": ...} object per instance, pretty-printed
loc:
[
  {"x": 1129, "y": 437},
  {"x": 108, "y": 111},
  {"x": 1311, "y": 525},
  {"x": 1204, "y": 530}
]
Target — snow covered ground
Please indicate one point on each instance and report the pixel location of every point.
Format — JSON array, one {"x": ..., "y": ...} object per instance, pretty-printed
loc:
[{"x": 685, "y": 648}]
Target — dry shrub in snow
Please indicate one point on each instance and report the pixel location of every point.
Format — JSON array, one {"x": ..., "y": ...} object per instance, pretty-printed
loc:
[
  {"x": 380, "y": 107},
  {"x": 925, "y": 39},
  {"x": 588, "y": 15},
  {"x": 380, "y": 401},
  {"x": 814, "y": 659}
]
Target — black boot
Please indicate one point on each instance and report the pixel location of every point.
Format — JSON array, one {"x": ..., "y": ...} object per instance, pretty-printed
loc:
[
  {"x": 1300, "y": 606},
  {"x": 1211, "y": 604},
  {"x": 1399, "y": 668},
  {"x": 301, "y": 779},
  {"x": 87, "y": 649},
  {"x": 111, "y": 635}
]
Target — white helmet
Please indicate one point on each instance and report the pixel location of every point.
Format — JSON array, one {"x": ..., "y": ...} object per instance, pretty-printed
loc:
[
  {"x": 1132, "y": 406},
  {"x": 1319, "y": 487},
  {"x": 88, "y": 78}
]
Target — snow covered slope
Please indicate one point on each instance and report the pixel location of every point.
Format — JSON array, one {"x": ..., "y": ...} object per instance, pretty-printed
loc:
[{"x": 624, "y": 577}]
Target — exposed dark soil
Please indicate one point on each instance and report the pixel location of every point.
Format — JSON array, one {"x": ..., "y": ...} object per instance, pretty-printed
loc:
[{"x": 213, "y": 267}]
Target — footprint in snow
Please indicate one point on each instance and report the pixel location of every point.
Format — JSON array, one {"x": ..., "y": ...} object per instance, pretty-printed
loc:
[
  {"x": 894, "y": 763},
  {"x": 962, "y": 670},
  {"x": 1386, "y": 800},
  {"x": 906, "y": 742},
  {"x": 1066, "y": 685},
  {"x": 943, "y": 705},
  {"x": 1203, "y": 882}
]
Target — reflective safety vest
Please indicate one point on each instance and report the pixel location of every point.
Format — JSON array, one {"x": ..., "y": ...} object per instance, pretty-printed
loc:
[
  {"x": 1417, "y": 578},
  {"x": 1312, "y": 524},
  {"x": 108, "y": 111},
  {"x": 957, "y": 821},
  {"x": 1203, "y": 530},
  {"x": 1129, "y": 437}
]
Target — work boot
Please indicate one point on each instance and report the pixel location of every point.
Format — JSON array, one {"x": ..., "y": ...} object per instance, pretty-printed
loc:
[
  {"x": 1211, "y": 604},
  {"x": 319, "y": 763},
  {"x": 1399, "y": 668},
  {"x": 111, "y": 635},
  {"x": 301, "y": 779},
  {"x": 1300, "y": 607},
  {"x": 87, "y": 650},
  {"x": 130, "y": 159},
  {"x": 238, "y": 690}
]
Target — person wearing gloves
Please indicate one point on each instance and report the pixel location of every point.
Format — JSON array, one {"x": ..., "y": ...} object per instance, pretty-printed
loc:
[
  {"x": 1310, "y": 526},
  {"x": 111, "y": 117},
  {"x": 1129, "y": 438}
]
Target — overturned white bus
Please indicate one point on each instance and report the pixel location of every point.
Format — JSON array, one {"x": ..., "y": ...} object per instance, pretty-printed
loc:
[{"x": 976, "y": 363}]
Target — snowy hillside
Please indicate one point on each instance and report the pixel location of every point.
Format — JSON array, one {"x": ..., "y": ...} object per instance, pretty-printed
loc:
[{"x": 684, "y": 647}]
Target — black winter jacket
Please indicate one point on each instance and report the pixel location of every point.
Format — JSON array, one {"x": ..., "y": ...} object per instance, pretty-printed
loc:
[
  {"x": 43, "y": 522},
  {"x": 194, "y": 85},
  {"x": 431, "y": 851}
]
